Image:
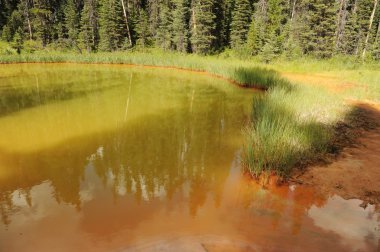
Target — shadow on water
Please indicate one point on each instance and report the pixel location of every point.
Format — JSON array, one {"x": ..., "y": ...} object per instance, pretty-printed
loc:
[{"x": 49, "y": 85}]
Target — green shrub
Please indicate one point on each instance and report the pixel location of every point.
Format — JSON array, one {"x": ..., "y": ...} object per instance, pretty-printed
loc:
[
  {"x": 6, "y": 49},
  {"x": 31, "y": 46}
]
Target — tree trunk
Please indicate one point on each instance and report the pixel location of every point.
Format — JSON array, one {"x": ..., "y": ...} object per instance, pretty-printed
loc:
[
  {"x": 293, "y": 10},
  {"x": 126, "y": 22},
  {"x": 369, "y": 29},
  {"x": 28, "y": 20}
]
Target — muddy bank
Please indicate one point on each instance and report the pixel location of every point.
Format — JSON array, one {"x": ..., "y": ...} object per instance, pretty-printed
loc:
[{"x": 353, "y": 171}]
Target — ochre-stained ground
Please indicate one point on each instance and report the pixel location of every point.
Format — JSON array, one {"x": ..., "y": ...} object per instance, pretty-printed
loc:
[
  {"x": 355, "y": 171},
  {"x": 332, "y": 83}
]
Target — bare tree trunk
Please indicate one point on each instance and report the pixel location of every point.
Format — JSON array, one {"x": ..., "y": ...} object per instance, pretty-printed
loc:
[
  {"x": 28, "y": 20},
  {"x": 194, "y": 19},
  {"x": 129, "y": 98},
  {"x": 126, "y": 22},
  {"x": 293, "y": 10},
  {"x": 369, "y": 28}
]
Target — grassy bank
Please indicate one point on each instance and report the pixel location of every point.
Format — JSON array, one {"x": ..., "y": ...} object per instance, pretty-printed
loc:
[{"x": 291, "y": 124}]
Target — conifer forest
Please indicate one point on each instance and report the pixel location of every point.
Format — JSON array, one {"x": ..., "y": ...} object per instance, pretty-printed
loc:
[{"x": 321, "y": 28}]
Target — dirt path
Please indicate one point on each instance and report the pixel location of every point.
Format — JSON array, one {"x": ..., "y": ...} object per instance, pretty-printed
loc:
[{"x": 355, "y": 172}]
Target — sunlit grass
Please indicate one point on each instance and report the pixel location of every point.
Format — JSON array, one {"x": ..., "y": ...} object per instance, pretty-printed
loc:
[{"x": 290, "y": 126}]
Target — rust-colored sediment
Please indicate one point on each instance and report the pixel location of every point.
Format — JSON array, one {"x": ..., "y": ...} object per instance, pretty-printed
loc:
[
  {"x": 331, "y": 83},
  {"x": 356, "y": 171}
]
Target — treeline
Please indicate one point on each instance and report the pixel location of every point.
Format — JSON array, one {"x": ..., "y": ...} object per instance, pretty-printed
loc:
[{"x": 253, "y": 27}]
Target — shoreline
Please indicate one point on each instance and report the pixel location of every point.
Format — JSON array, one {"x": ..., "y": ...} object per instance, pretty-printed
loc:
[
  {"x": 273, "y": 87},
  {"x": 352, "y": 172},
  {"x": 231, "y": 81}
]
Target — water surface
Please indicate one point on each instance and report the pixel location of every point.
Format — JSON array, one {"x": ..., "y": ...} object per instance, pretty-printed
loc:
[{"x": 118, "y": 158}]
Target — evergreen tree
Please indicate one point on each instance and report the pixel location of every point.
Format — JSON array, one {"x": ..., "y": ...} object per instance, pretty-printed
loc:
[
  {"x": 89, "y": 35},
  {"x": 15, "y": 22},
  {"x": 164, "y": 32},
  {"x": 6, "y": 9},
  {"x": 202, "y": 26},
  {"x": 112, "y": 29},
  {"x": 257, "y": 31},
  {"x": 222, "y": 10},
  {"x": 6, "y": 34},
  {"x": 240, "y": 23},
  {"x": 42, "y": 21},
  {"x": 180, "y": 27},
  {"x": 319, "y": 34},
  {"x": 142, "y": 30},
  {"x": 154, "y": 13},
  {"x": 277, "y": 19},
  {"x": 263, "y": 27},
  {"x": 18, "y": 40},
  {"x": 363, "y": 12},
  {"x": 269, "y": 49},
  {"x": 352, "y": 30},
  {"x": 376, "y": 39},
  {"x": 72, "y": 20}
]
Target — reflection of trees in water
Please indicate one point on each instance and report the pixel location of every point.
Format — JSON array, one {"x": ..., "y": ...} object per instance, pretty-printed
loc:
[
  {"x": 7, "y": 207},
  {"x": 177, "y": 151},
  {"x": 169, "y": 154}
]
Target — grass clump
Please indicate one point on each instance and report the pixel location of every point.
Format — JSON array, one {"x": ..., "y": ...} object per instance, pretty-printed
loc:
[
  {"x": 258, "y": 77},
  {"x": 290, "y": 125}
]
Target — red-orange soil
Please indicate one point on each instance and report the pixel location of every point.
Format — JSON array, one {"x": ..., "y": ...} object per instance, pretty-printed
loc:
[{"x": 355, "y": 172}]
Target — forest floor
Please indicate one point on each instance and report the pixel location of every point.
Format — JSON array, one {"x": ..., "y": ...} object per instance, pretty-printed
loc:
[{"x": 354, "y": 172}]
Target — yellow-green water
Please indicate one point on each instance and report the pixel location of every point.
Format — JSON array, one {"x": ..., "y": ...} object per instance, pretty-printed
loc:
[{"x": 115, "y": 158}]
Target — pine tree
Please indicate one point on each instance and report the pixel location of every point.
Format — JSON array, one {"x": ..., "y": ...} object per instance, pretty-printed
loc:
[
  {"x": 112, "y": 29},
  {"x": 257, "y": 30},
  {"x": 369, "y": 31},
  {"x": 202, "y": 26},
  {"x": 24, "y": 7},
  {"x": 241, "y": 17},
  {"x": 376, "y": 43},
  {"x": 341, "y": 25},
  {"x": 42, "y": 21},
  {"x": 364, "y": 9},
  {"x": 142, "y": 30},
  {"x": 154, "y": 12},
  {"x": 180, "y": 27},
  {"x": 6, "y": 34},
  {"x": 268, "y": 52},
  {"x": 319, "y": 34},
  {"x": 72, "y": 20},
  {"x": 6, "y": 9},
  {"x": 18, "y": 40},
  {"x": 375, "y": 48},
  {"x": 277, "y": 19},
  {"x": 89, "y": 35},
  {"x": 164, "y": 32},
  {"x": 352, "y": 30},
  {"x": 223, "y": 16},
  {"x": 15, "y": 22}
]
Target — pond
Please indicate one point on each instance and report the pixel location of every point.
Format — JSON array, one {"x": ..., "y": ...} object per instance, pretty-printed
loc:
[{"x": 126, "y": 158}]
